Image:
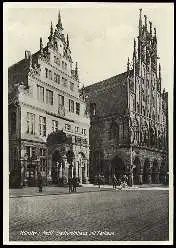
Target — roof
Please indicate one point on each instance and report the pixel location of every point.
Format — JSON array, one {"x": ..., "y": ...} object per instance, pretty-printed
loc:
[{"x": 108, "y": 82}]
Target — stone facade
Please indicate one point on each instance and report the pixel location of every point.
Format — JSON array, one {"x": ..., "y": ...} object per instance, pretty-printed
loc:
[
  {"x": 45, "y": 99},
  {"x": 129, "y": 118}
]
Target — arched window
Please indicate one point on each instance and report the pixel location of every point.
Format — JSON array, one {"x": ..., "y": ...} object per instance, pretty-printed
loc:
[
  {"x": 136, "y": 130},
  {"x": 13, "y": 122},
  {"x": 114, "y": 131}
]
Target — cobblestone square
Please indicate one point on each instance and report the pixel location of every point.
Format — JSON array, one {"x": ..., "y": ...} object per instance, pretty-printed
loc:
[{"x": 103, "y": 215}]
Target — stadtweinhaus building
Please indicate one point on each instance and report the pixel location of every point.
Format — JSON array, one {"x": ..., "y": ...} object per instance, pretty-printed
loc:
[
  {"x": 129, "y": 117},
  {"x": 48, "y": 123}
]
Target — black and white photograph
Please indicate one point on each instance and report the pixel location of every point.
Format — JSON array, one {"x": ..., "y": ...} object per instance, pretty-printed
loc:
[{"x": 88, "y": 123}]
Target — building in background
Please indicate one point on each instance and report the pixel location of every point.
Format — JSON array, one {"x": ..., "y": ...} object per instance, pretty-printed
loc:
[
  {"x": 48, "y": 123},
  {"x": 129, "y": 117}
]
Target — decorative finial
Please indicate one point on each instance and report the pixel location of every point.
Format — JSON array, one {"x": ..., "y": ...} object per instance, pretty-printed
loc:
[
  {"x": 150, "y": 27},
  {"x": 41, "y": 45},
  {"x": 145, "y": 21},
  {"x": 51, "y": 29},
  {"x": 159, "y": 71},
  {"x": 59, "y": 24},
  {"x": 155, "y": 31},
  {"x": 128, "y": 64},
  {"x": 67, "y": 41}
]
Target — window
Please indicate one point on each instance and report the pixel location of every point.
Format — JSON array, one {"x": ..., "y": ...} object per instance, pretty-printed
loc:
[
  {"x": 83, "y": 131},
  {"x": 60, "y": 100},
  {"x": 64, "y": 80},
  {"x": 138, "y": 107},
  {"x": 30, "y": 123},
  {"x": 93, "y": 109},
  {"x": 13, "y": 122},
  {"x": 77, "y": 108},
  {"x": 56, "y": 78},
  {"x": 68, "y": 127},
  {"x": 42, "y": 125},
  {"x": 46, "y": 72},
  {"x": 40, "y": 93},
  {"x": 54, "y": 126},
  {"x": 76, "y": 129},
  {"x": 71, "y": 86},
  {"x": 71, "y": 106},
  {"x": 50, "y": 74},
  {"x": 33, "y": 151},
  {"x": 62, "y": 64},
  {"x": 42, "y": 152},
  {"x": 49, "y": 97}
]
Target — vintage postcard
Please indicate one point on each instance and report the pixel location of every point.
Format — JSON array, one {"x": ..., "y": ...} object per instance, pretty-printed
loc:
[{"x": 88, "y": 123}]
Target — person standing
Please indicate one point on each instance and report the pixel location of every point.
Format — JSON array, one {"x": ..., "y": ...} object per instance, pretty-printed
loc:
[
  {"x": 40, "y": 182},
  {"x": 99, "y": 181},
  {"x": 114, "y": 181},
  {"x": 70, "y": 184}
]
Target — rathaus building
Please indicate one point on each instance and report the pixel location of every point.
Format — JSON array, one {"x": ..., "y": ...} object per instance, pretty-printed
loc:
[
  {"x": 48, "y": 121},
  {"x": 129, "y": 117}
]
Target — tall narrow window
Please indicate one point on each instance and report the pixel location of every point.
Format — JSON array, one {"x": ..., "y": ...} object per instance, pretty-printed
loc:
[
  {"x": 71, "y": 86},
  {"x": 50, "y": 74},
  {"x": 93, "y": 109},
  {"x": 60, "y": 100},
  {"x": 40, "y": 93},
  {"x": 46, "y": 72},
  {"x": 30, "y": 123},
  {"x": 77, "y": 108},
  {"x": 54, "y": 126},
  {"x": 49, "y": 97},
  {"x": 42, "y": 125},
  {"x": 13, "y": 122},
  {"x": 71, "y": 106}
]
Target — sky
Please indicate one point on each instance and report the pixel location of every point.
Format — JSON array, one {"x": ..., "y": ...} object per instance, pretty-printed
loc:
[{"x": 101, "y": 34}]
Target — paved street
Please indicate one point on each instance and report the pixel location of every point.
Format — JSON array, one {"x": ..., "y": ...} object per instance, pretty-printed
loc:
[{"x": 102, "y": 215}]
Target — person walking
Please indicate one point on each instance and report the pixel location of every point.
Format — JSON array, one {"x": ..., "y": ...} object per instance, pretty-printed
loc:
[
  {"x": 74, "y": 184},
  {"x": 70, "y": 185},
  {"x": 114, "y": 181},
  {"x": 99, "y": 181},
  {"x": 40, "y": 182}
]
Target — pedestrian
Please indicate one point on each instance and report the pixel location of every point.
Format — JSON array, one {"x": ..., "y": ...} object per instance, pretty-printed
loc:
[
  {"x": 114, "y": 181},
  {"x": 40, "y": 182},
  {"x": 74, "y": 184},
  {"x": 70, "y": 184},
  {"x": 99, "y": 181}
]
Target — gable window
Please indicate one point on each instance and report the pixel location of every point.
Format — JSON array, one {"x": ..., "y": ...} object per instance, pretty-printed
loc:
[
  {"x": 60, "y": 100},
  {"x": 42, "y": 125},
  {"x": 71, "y": 106},
  {"x": 49, "y": 97},
  {"x": 77, "y": 108},
  {"x": 40, "y": 93},
  {"x": 71, "y": 86},
  {"x": 46, "y": 72}
]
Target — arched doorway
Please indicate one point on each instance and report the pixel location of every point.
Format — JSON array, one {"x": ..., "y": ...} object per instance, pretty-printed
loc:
[
  {"x": 57, "y": 162},
  {"x": 137, "y": 171},
  {"x": 146, "y": 172},
  {"x": 155, "y": 172},
  {"x": 118, "y": 167},
  {"x": 81, "y": 170}
]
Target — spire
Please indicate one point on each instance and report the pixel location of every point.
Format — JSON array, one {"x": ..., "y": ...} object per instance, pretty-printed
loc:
[
  {"x": 59, "y": 24},
  {"x": 150, "y": 27},
  {"x": 68, "y": 42},
  {"x": 134, "y": 51},
  {"x": 159, "y": 71},
  {"x": 41, "y": 45},
  {"x": 128, "y": 64},
  {"x": 76, "y": 71},
  {"x": 145, "y": 21},
  {"x": 51, "y": 30},
  {"x": 140, "y": 22}
]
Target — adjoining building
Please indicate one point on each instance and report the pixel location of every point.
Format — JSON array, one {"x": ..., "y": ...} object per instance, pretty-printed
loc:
[
  {"x": 48, "y": 122},
  {"x": 129, "y": 118}
]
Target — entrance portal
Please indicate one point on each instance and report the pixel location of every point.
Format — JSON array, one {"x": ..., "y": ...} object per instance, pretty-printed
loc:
[
  {"x": 118, "y": 167},
  {"x": 57, "y": 162},
  {"x": 137, "y": 171},
  {"x": 146, "y": 172}
]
